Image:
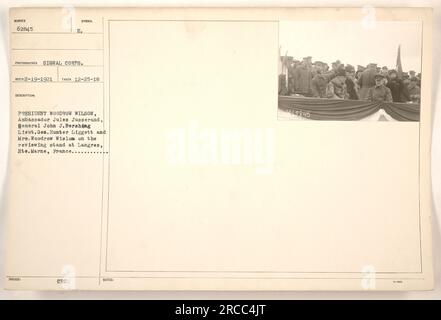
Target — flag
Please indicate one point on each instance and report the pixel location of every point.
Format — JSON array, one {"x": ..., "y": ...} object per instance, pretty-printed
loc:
[
  {"x": 399, "y": 66},
  {"x": 283, "y": 67}
]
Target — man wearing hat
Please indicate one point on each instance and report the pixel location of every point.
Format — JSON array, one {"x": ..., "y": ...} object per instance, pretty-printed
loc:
[
  {"x": 283, "y": 90},
  {"x": 414, "y": 90},
  {"x": 360, "y": 69},
  {"x": 397, "y": 87},
  {"x": 367, "y": 80},
  {"x": 335, "y": 65},
  {"x": 336, "y": 88},
  {"x": 405, "y": 77},
  {"x": 351, "y": 84},
  {"x": 291, "y": 75},
  {"x": 384, "y": 71},
  {"x": 303, "y": 77},
  {"x": 379, "y": 92},
  {"x": 320, "y": 80}
]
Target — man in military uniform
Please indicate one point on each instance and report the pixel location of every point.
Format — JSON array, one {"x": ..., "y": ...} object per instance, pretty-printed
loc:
[
  {"x": 335, "y": 65},
  {"x": 336, "y": 88},
  {"x": 283, "y": 90},
  {"x": 291, "y": 75},
  {"x": 366, "y": 80},
  {"x": 320, "y": 80},
  {"x": 303, "y": 77},
  {"x": 379, "y": 92},
  {"x": 360, "y": 69},
  {"x": 351, "y": 83},
  {"x": 397, "y": 87},
  {"x": 414, "y": 90}
]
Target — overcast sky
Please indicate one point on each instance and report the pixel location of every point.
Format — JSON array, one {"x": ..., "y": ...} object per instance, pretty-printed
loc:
[{"x": 352, "y": 43}]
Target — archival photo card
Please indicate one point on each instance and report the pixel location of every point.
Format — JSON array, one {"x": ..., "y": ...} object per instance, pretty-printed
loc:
[{"x": 149, "y": 149}]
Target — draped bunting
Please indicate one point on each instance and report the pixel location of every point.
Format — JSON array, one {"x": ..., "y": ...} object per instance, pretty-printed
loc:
[{"x": 335, "y": 109}]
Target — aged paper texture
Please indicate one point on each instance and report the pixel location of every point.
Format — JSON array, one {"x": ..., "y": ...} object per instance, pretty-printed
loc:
[{"x": 153, "y": 149}]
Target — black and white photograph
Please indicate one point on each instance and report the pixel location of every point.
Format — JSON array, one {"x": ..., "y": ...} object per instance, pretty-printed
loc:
[{"x": 344, "y": 70}]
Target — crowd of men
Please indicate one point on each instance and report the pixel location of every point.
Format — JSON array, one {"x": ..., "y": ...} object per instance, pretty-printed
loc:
[{"x": 372, "y": 83}]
